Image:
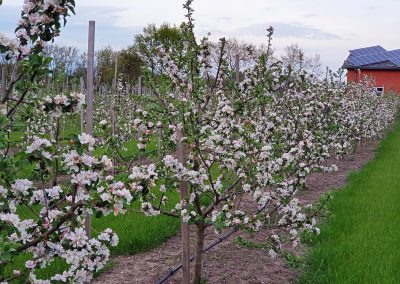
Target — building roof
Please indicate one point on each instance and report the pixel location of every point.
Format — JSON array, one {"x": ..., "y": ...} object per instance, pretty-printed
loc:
[{"x": 374, "y": 57}]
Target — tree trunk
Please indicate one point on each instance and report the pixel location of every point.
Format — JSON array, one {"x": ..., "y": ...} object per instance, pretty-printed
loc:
[{"x": 199, "y": 252}]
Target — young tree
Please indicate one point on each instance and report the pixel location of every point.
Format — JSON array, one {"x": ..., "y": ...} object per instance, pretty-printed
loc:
[
  {"x": 249, "y": 145},
  {"x": 41, "y": 217}
]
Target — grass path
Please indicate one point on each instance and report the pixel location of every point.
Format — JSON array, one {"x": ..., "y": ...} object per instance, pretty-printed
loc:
[{"x": 360, "y": 241}]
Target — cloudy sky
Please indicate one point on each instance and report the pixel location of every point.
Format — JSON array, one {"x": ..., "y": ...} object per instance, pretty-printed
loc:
[{"x": 329, "y": 28}]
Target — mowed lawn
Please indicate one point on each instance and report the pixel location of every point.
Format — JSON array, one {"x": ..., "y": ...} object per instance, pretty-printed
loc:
[{"x": 360, "y": 241}]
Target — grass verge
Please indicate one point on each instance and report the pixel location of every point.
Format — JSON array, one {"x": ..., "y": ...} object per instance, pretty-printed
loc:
[{"x": 360, "y": 240}]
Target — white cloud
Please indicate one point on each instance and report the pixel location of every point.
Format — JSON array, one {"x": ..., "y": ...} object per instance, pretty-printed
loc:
[
  {"x": 286, "y": 30},
  {"x": 329, "y": 28}
]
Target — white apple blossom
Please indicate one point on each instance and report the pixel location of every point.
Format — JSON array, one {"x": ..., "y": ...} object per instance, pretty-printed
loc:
[{"x": 86, "y": 139}]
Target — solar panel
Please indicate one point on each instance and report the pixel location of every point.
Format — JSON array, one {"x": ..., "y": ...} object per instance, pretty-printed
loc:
[
  {"x": 385, "y": 55},
  {"x": 353, "y": 60},
  {"x": 371, "y": 55},
  {"x": 367, "y": 59},
  {"x": 357, "y": 62},
  {"x": 376, "y": 57},
  {"x": 367, "y": 50},
  {"x": 396, "y": 61},
  {"x": 394, "y": 53},
  {"x": 377, "y": 49},
  {"x": 358, "y": 52}
]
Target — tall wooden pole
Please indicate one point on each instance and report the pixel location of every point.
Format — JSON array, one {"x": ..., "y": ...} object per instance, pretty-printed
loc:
[
  {"x": 114, "y": 92},
  {"x": 180, "y": 149},
  {"x": 89, "y": 101},
  {"x": 114, "y": 106},
  {"x": 82, "y": 88},
  {"x": 140, "y": 85}
]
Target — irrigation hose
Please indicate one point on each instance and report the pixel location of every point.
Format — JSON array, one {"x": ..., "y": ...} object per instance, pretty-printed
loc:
[{"x": 213, "y": 244}]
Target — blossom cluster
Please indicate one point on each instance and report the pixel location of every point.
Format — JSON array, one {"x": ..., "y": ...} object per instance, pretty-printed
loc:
[
  {"x": 67, "y": 103},
  {"x": 39, "y": 23},
  {"x": 56, "y": 228}
]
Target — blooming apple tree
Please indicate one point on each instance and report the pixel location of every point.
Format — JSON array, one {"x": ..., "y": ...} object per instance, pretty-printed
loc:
[
  {"x": 42, "y": 217},
  {"x": 249, "y": 145}
]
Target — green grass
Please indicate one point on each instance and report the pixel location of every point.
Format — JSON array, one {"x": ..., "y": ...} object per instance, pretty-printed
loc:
[
  {"x": 138, "y": 233},
  {"x": 360, "y": 241}
]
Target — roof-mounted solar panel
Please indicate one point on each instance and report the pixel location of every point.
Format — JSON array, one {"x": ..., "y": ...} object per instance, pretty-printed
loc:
[
  {"x": 373, "y": 56},
  {"x": 367, "y": 50},
  {"x": 396, "y": 61}
]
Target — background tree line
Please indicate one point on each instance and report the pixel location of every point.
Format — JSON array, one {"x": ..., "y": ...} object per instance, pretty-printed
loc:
[{"x": 68, "y": 63}]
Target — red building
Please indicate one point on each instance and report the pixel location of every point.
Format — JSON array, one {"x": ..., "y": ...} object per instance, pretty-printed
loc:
[{"x": 377, "y": 63}]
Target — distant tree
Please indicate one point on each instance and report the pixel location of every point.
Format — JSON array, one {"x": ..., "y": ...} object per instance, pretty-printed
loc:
[
  {"x": 105, "y": 64},
  {"x": 314, "y": 65},
  {"x": 71, "y": 54},
  {"x": 295, "y": 59},
  {"x": 152, "y": 37},
  {"x": 80, "y": 66},
  {"x": 63, "y": 59},
  {"x": 128, "y": 65},
  {"x": 248, "y": 53}
]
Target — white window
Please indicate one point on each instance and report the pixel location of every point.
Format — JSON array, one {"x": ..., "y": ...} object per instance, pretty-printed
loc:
[{"x": 379, "y": 91}]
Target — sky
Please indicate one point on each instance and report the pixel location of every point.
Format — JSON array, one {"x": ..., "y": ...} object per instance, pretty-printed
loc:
[{"x": 326, "y": 27}]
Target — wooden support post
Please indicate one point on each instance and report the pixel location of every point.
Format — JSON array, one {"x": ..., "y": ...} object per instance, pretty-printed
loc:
[
  {"x": 114, "y": 95},
  {"x": 159, "y": 140},
  {"x": 237, "y": 68},
  {"x": 113, "y": 120},
  {"x": 82, "y": 89},
  {"x": 89, "y": 101},
  {"x": 180, "y": 149},
  {"x": 140, "y": 85},
  {"x": 52, "y": 136},
  {"x": 63, "y": 127},
  {"x": 14, "y": 72}
]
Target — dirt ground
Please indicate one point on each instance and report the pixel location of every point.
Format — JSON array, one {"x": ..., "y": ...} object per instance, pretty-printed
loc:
[{"x": 229, "y": 262}]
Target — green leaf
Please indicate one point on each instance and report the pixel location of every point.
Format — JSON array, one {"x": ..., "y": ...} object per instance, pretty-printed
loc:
[
  {"x": 47, "y": 60},
  {"x": 99, "y": 214},
  {"x": 20, "y": 85}
]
